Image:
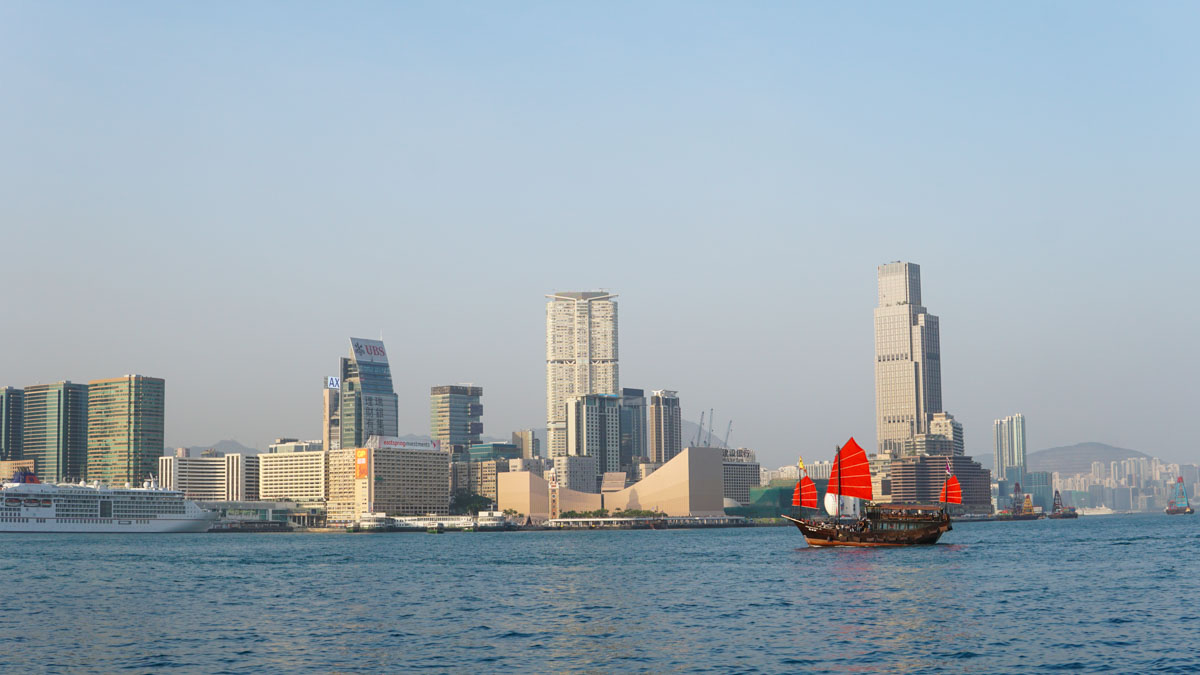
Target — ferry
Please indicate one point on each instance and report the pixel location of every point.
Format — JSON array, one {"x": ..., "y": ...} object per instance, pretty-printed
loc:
[{"x": 27, "y": 505}]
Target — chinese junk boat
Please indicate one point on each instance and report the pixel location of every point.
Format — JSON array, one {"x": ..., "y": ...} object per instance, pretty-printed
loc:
[
  {"x": 1061, "y": 511},
  {"x": 1178, "y": 504},
  {"x": 879, "y": 524},
  {"x": 1021, "y": 508}
]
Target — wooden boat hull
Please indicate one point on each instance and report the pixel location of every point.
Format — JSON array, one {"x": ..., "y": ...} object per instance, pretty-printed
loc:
[
  {"x": 822, "y": 534},
  {"x": 1176, "y": 511}
]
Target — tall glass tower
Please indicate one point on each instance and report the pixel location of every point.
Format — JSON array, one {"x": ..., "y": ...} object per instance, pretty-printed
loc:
[
  {"x": 55, "y": 434},
  {"x": 124, "y": 429},
  {"x": 369, "y": 405}
]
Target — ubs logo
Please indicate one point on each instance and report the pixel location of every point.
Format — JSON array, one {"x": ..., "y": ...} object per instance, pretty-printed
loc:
[{"x": 368, "y": 350}]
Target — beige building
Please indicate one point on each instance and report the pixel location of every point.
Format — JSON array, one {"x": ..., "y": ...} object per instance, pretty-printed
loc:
[
  {"x": 908, "y": 367},
  {"x": 665, "y": 426},
  {"x": 579, "y": 473},
  {"x": 481, "y": 476},
  {"x": 527, "y": 442},
  {"x": 231, "y": 477},
  {"x": 401, "y": 478},
  {"x": 581, "y": 355},
  {"x": 340, "y": 505},
  {"x": 293, "y": 476}
]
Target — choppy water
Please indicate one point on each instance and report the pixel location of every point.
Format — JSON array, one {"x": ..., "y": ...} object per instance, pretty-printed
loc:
[{"x": 1116, "y": 593}]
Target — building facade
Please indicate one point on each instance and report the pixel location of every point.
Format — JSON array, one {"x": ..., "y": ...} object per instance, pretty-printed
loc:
[
  {"x": 919, "y": 479},
  {"x": 741, "y": 472},
  {"x": 369, "y": 406},
  {"x": 528, "y": 442},
  {"x": 577, "y": 472},
  {"x": 12, "y": 427},
  {"x": 1009, "y": 445},
  {"x": 230, "y": 478},
  {"x": 581, "y": 356},
  {"x": 402, "y": 478},
  {"x": 293, "y": 477},
  {"x": 125, "y": 428},
  {"x": 633, "y": 428},
  {"x": 908, "y": 370},
  {"x": 456, "y": 416},
  {"x": 594, "y": 430},
  {"x": 54, "y": 436},
  {"x": 665, "y": 421},
  {"x": 331, "y": 414}
]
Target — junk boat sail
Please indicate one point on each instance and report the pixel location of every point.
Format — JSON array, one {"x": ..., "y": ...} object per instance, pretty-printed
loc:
[
  {"x": 1178, "y": 504},
  {"x": 1061, "y": 511},
  {"x": 880, "y": 524}
]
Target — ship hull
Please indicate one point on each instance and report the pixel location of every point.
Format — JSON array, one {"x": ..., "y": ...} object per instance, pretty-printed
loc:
[
  {"x": 1176, "y": 511},
  {"x": 108, "y": 526},
  {"x": 1063, "y": 514},
  {"x": 823, "y": 534}
]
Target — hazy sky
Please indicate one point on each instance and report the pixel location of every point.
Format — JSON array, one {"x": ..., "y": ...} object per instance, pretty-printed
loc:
[{"x": 221, "y": 194}]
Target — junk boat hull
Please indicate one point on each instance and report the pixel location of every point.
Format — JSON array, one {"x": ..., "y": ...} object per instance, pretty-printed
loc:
[
  {"x": 900, "y": 529},
  {"x": 1177, "y": 511}
]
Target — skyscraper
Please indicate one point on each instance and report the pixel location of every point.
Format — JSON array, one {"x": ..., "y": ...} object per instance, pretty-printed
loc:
[
  {"x": 369, "y": 405},
  {"x": 666, "y": 426},
  {"x": 581, "y": 355},
  {"x": 331, "y": 414},
  {"x": 594, "y": 430},
  {"x": 56, "y": 428},
  {"x": 125, "y": 428},
  {"x": 633, "y": 427},
  {"x": 455, "y": 416},
  {"x": 12, "y": 412},
  {"x": 908, "y": 369},
  {"x": 1009, "y": 445}
]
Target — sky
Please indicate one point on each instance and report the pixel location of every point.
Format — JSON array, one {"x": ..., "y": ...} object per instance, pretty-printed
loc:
[{"x": 221, "y": 194}]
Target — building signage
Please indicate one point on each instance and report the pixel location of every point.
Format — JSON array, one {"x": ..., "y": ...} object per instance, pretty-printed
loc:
[
  {"x": 361, "y": 468},
  {"x": 332, "y": 382},
  {"x": 391, "y": 442},
  {"x": 368, "y": 351}
]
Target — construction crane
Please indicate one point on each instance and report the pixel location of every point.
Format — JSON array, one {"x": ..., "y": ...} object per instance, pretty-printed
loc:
[
  {"x": 708, "y": 441},
  {"x": 727, "y": 430},
  {"x": 700, "y": 430}
]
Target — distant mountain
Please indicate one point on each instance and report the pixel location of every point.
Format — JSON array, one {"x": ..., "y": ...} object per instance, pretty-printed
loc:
[
  {"x": 226, "y": 447},
  {"x": 1078, "y": 458}
]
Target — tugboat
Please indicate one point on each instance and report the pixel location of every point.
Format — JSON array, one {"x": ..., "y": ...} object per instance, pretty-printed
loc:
[
  {"x": 1021, "y": 508},
  {"x": 1178, "y": 504},
  {"x": 880, "y": 524},
  {"x": 1061, "y": 511}
]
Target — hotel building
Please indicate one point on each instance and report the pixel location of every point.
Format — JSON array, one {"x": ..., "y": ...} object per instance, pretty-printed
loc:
[
  {"x": 292, "y": 477},
  {"x": 401, "y": 478},
  {"x": 581, "y": 356},
  {"x": 231, "y": 478}
]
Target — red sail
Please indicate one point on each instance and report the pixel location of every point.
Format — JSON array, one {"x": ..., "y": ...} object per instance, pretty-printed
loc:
[
  {"x": 851, "y": 474},
  {"x": 808, "y": 493},
  {"x": 796, "y": 495},
  {"x": 951, "y": 491}
]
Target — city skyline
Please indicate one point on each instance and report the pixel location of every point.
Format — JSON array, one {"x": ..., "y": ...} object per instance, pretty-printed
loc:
[{"x": 700, "y": 164}]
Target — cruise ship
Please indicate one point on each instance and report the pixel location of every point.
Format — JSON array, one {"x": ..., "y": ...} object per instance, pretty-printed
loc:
[{"x": 29, "y": 506}]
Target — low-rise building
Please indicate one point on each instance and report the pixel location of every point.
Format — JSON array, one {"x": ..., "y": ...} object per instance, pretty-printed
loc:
[
  {"x": 293, "y": 476},
  {"x": 401, "y": 478}
]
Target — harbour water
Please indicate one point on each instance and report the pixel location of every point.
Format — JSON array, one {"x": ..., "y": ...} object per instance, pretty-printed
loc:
[{"x": 1111, "y": 593}]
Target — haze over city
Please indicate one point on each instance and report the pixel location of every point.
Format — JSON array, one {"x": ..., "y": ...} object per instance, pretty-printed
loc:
[{"x": 221, "y": 199}]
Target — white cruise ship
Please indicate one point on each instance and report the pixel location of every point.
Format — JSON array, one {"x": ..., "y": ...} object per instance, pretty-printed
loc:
[{"x": 64, "y": 507}]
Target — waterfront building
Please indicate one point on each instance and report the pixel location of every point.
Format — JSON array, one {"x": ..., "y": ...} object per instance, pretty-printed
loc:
[
  {"x": 908, "y": 371},
  {"x": 485, "y": 451},
  {"x": 581, "y": 356},
  {"x": 481, "y": 476},
  {"x": 55, "y": 430},
  {"x": 1009, "y": 445},
  {"x": 633, "y": 428},
  {"x": 12, "y": 412},
  {"x": 294, "y": 445},
  {"x": 293, "y": 477},
  {"x": 577, "y": 472},
  {"x": 331, "y": 411},
  {"x": 919, "y": 478},
  {"x": 594, "y": 430},
  {"x": 401, "y": 478},
  {"x": 455, "y": 416},
  {"x": 665, "y": 436},
  {"x": 233, "y": 477},
  {"x": 741, "y": 472},
  {"x": 125, "y": 429},
  {"x": 340, "y": 503},
  {"x": 369, "y": 405},
  {"x": 528, "y": 442}
]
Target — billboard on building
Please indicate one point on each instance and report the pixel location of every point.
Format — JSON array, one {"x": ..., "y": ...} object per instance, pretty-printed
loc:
[
  {"x": 368, "y": 351},
  {"x": 361, "y": 468},
  {"x": 379, "y": 442}
]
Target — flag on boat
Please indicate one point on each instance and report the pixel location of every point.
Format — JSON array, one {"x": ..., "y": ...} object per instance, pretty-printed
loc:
[
  {"x": 801, "y": 464},
  {"x": 851, "y": 473}
]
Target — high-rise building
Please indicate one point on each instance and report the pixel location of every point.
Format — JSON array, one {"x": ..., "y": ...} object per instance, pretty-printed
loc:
[
  {"x": 455, "y": 416},
  {"x": 633, "y": 427},
  {"x": 125, "y": 428},
  {"x": 581, "y": 356},
  {"x": 908, "y": 370},
  {"x": 12, "y": 412},
  {"x": 919, "y": 478},
  {"x": 528, "y": 442},
  {"x": 1009, "y": 445},
  {"x": 56, "y": 430},
  {"x": 666, "y": 426},
  {"x": 401, "y": 478},
  {"x": 331, "y": 414},
  {"x": 369, "y": 406},
  {"x": 594, "y": 430},
  {"x": 943, "y": 424}
]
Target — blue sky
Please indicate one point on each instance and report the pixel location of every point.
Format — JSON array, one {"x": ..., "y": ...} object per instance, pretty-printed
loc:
[{"x": 222, "y": 194}]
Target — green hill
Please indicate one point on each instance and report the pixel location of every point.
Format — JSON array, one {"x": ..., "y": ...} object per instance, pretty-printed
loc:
[{"x": 1078, "y": 458}]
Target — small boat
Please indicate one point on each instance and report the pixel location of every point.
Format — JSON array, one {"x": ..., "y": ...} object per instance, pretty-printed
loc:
[
  {"x": 881, "y": 525},
  {"x": 1021, "y": 508},
  {"x": 12, "y": 501},
  {"x": 1178, "y": 504},
  {"x": 1059, "y": 512},
  {"x": 33, "y": 502}
]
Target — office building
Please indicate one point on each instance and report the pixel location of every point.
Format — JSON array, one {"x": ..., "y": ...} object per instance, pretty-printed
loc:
[
  {"x": 665, "y": 421},
  {"x": 633, "y": 428},
  {"x": 529, "y": 443},
  {"x": 369, "y": 406},
  {"x": 581, "y": 356},
  {"x": 908, "y": 371},
  {"x": 401, "y": 478},
  {"x": 594, "y": 430},
  {"x": 919, "y": 478},
  {"x": 55, "y": 423},
  {"x": 482, "y": 452},
  {"x": 577, "y": 472},
  {"x": 125, "y": 428},
  {"x": 455, "y": 416},
  {"x": 12, "y": 412},
  {"x": 331, "y": 414},
  {"x": 741, "y": 472},
  {"x": 294, "y": 445},
  {"x": 293, "y": 477},
  {"x": 231, "y": 478},
  {"x": 1009, "y": 446},
  {"x": 481, "y": 477}
]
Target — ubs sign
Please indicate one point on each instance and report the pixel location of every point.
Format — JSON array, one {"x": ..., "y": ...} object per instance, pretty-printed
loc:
[{"x": 368, "y": 350}]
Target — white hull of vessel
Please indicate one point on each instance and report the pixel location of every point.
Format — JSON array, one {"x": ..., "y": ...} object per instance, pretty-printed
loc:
[{"x": 104, "y": 525}]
